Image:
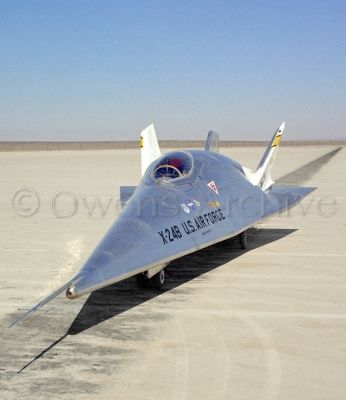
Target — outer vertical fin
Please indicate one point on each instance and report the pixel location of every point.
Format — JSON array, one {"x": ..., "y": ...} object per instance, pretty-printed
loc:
[
  {"x": 150, "y": 150},
  {"x": 262, "y": 176},
  {"x": 212, "y": 143}
]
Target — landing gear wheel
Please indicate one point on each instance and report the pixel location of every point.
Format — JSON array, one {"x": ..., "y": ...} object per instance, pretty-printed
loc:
[
  {"x": 158, "y": 280},
  {"x": 243, "y": 240},
  {"x": 141, "y": 281}
]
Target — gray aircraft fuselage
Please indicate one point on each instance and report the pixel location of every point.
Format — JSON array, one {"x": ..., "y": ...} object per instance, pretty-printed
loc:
[{"x": 168, "y": 218}]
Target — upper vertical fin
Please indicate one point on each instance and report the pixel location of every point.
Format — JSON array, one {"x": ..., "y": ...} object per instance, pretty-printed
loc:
[
  {"x": 150, "y": 150},
  {"x": 212, "y": 143}
]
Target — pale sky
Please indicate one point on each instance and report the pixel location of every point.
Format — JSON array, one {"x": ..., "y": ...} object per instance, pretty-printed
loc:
[{"x": 103, "y": 70}]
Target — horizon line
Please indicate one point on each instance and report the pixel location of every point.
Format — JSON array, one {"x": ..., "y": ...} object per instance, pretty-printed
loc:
[{"x": 40, "y": 145}]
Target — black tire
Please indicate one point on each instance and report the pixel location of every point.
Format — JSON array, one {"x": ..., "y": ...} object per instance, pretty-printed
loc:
[
  {"x": 243, "y": 240},
  {"x": 158, "y": 280},
  {"x": 141, "y": 281}
]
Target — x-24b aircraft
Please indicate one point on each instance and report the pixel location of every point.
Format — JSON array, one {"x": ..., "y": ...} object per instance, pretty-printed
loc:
[{"x": 186, "y": 200}]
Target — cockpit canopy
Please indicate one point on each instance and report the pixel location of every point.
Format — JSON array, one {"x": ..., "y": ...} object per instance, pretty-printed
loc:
[{"x": 173, "y": 165}]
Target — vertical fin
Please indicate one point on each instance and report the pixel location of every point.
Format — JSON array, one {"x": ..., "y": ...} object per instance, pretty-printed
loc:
[
  {"x": 212, "y": 143},
  {"x": 262, "y": 175},
  {"x": 150, "y": 150}
]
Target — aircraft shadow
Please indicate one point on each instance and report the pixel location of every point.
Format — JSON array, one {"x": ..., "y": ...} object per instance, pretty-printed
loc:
[
  {"x": 116, "y": 299},
  {"x": 307, "y": 171}
]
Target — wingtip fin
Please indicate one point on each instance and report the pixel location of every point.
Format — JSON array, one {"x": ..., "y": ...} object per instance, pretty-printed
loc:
[
  {"x": 262, "y": 175},
  {"x": 278, "y": 135}
]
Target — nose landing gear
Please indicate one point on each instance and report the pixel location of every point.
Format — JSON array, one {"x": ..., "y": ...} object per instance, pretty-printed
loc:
[{"x": 243, "y": 240}]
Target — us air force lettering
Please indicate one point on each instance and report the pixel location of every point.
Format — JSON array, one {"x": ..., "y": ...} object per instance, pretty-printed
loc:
[
  {"x": 207, "y": 198},
  {"x": 189, "y": 226}
]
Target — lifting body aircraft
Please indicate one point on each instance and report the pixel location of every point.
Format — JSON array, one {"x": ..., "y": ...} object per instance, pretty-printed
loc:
[{"x": 185, "y": 201}]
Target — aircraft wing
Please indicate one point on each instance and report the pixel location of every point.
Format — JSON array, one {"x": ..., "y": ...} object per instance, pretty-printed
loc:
[{"x": 282, "y": 198}]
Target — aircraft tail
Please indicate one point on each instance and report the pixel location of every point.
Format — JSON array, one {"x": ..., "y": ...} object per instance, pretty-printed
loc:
[
  {"x": 150, "y": 150},
  {"x": 212, "y": 143},
  {"x": 262, "y": 175}
]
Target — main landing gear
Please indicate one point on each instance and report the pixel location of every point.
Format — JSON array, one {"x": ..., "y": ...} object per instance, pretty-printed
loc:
[{"x": 156, "y": 281}]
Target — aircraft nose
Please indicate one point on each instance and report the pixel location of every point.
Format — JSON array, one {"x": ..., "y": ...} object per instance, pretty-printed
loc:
[{"x": 71, "y": 292}]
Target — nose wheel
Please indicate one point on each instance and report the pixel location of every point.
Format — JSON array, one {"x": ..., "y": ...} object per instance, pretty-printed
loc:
[
  {"x": 142, "y": 281},
  {"x": 243, "y": 240}
]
